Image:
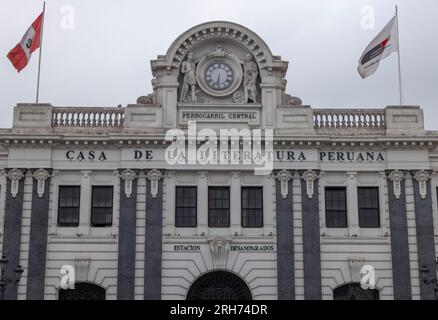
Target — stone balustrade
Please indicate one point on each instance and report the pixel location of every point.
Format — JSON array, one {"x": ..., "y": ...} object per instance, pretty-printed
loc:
[{"x": 345, "y": 119}]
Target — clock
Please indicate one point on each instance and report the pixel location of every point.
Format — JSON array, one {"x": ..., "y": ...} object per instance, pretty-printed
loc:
[{"x": 219, "y": 75}]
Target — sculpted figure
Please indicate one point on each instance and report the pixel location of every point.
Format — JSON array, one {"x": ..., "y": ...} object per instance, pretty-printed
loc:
[
  {"x": 189, "y": 81},
  {"x": 250, "y": 74}
]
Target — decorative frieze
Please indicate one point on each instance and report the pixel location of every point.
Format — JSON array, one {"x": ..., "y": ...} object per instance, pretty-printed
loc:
[
  {"x": 310, "y": 176},
  {"x": 284, "y": 176},
  {"x": 422, "y": 177},
  {"x": 15, "y": 175},
  {"x": 396, "y": 177},
  {"x": 41, "y": 175},
  {"x": 128, "y": 176},
  {"x": 154, "y": 176}
]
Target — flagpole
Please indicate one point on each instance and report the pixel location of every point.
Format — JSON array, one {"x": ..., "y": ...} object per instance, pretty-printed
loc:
[
  {"x": 41, "y": 49},
  {"x": 399, "y": 64}
]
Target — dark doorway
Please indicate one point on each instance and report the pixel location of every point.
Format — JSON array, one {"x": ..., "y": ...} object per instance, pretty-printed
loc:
[
  {"x": 219, "y": 285},
  {"x": 83, "y": 291},
  {"x": 353, "y": 291}
]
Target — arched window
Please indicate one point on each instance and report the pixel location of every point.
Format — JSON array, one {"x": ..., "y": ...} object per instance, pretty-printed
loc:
[
  {"x": 353, "y": 291},
  {"x": 83, "y": 291},
  {"x": 219, "y": 285}
]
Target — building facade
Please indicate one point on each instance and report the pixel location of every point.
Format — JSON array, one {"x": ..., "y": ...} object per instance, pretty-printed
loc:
[{"x": 98, "y": 196}]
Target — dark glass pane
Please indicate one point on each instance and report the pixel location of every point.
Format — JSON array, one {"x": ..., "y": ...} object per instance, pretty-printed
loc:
[
  {"x": 102, "y": 206},
  {"x": 68, "y": 206},
  {"x": 186, "y": 205},
  {"x": 252, "y": 207},
  {"x": 368, "y": 203},
  {"x": 219, "y": 207},
  {"x": 336, "y": 207}
]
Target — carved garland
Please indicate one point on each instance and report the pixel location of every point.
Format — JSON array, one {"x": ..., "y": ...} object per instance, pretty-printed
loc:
[
  {"x": 154, "y": 176},
  {"x": 396, "y": 177},
  {"x": 422, "y": 177},
  {"x": 15, "y": 175},
  {"x": 310, "y": 176},
  {"x": 284, "y": 176},
  {"x": 128, "y": 175},
  {"x": 41, "y": 175}
]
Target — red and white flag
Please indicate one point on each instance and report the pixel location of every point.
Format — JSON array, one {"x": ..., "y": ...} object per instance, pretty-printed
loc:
[
  {"x": 21, "y": 53},
  {"x": 381, "y": 47}
]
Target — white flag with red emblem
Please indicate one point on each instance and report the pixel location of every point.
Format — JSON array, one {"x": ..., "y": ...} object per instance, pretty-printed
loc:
[
  {"x": 21, "y": 53},
  {"x": 381, "y": 47}
]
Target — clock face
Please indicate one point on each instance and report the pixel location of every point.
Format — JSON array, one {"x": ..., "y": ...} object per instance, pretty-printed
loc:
[{"x": 219, "y": 76}]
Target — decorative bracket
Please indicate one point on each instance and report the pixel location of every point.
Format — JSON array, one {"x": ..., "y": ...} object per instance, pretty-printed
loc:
[
  {"x": 128, "y": 175},
  {"x": 82, "y": 266},
  {"x": 15, "y": 175},
  {"x": 41, "y": 175},
  {"x": 310, "y": 176},
  {"x": 355, "y": 264},
  {"x": 422, "y": 177},
  {"x": 396, "y": 177},
  {"x": 284, "y": 176},
  {"x": 154, "y": 176},
  {"x": 219, "y": 249}
]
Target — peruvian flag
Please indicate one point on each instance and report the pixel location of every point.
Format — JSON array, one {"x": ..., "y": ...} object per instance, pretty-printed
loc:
[
  {"x": 21, "y": 53},
  {"x": 385, "y": 43}
]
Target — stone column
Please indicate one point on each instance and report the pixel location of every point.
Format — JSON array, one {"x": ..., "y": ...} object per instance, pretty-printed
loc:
[
  {"x": 311, "y": 235},
  {"x": 401, "y": 273},
  {"x": 12, "y": 227},
  {"x": 425, "y": 232},
  {"x": 153, "y": 235},
  {"x": 202, "y": 202},
  {"x": 352, "y": 207},
  {"x": 38, "y": 235},
  {"x": 235, "y": 204},
  {"x": 285, "y": 236},
  {"x": 127, "y": 235}
]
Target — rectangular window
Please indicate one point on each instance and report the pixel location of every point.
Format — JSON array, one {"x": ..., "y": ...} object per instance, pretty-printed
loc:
[
  {"x": 102, "y": 206},
  {"x": 336, "y": 207},
  {"x": 219, "y": 207},
  {"x": 252, "y": 207},
  {"x": 68, "y": 206},
  {"x": 186, "y": 204},
  {"x": 368, "y": 203}
]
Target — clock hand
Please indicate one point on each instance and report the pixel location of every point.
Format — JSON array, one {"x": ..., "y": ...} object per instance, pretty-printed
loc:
[{"x": 218, "y": 78}]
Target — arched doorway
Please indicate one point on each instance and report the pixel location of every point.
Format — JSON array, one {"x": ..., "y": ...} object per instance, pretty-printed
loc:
[
  {"x": 219, "y": 285},
  {"x": 83, "y": 291},
  {"x": 353, "y": 291}
]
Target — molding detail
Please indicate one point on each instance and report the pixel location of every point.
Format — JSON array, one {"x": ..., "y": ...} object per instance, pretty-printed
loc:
[
  {"x": 219, "y": 249},
  {"x": 154, "y": 176},
  {"x": 284, "y": 176},
  {"x": 41, "y": 175},
  {"x": 82, "y": 266},
  {"x": 15, "y": 175},
  {"x": 128, "y": 175},
  {"x": 355, "y": 264},
  {"x": 422, "y": 177},
  {"x": 396, "y": 177},
  {"x": 310, "y": 176}
]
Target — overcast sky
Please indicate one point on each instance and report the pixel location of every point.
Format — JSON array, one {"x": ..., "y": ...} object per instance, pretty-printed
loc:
[{"x": 98, "y": 52}]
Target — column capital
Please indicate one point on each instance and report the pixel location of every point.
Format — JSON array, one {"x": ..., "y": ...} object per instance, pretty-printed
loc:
[
  {"x": 154, "y": 176},
  {"x": 422, "y": 177},
  {"x": 310, "y": 176},
  {"x": 284, "y": 176},
  {"x": 128, "y": 175},
  {"x": 41, "y": 175},
  {"x": 15, "y": 175}
]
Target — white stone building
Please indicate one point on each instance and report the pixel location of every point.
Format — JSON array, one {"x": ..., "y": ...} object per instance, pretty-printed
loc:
[{"x": 91, "y": 188}]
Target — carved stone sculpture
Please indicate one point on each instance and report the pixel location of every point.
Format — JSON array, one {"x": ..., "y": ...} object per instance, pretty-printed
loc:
[
  {"x": 188, "y": 68},
  {"x": 250, "y": 75}
]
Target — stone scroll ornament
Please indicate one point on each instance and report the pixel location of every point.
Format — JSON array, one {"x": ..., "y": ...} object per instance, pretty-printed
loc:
[
  {"x": 422, "y": 177},
  {"x": 396, "y": 177},
  {"x": 128, "y": 176},
  {"x": 284, "y": 176},
  {"x": 15, "y": 175},
  {"x": 219, "y": 249},
  {"x": 41, "y": 175},
  {"x": 154, "y": 176},
  {"x": 310, "y": 176}
]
